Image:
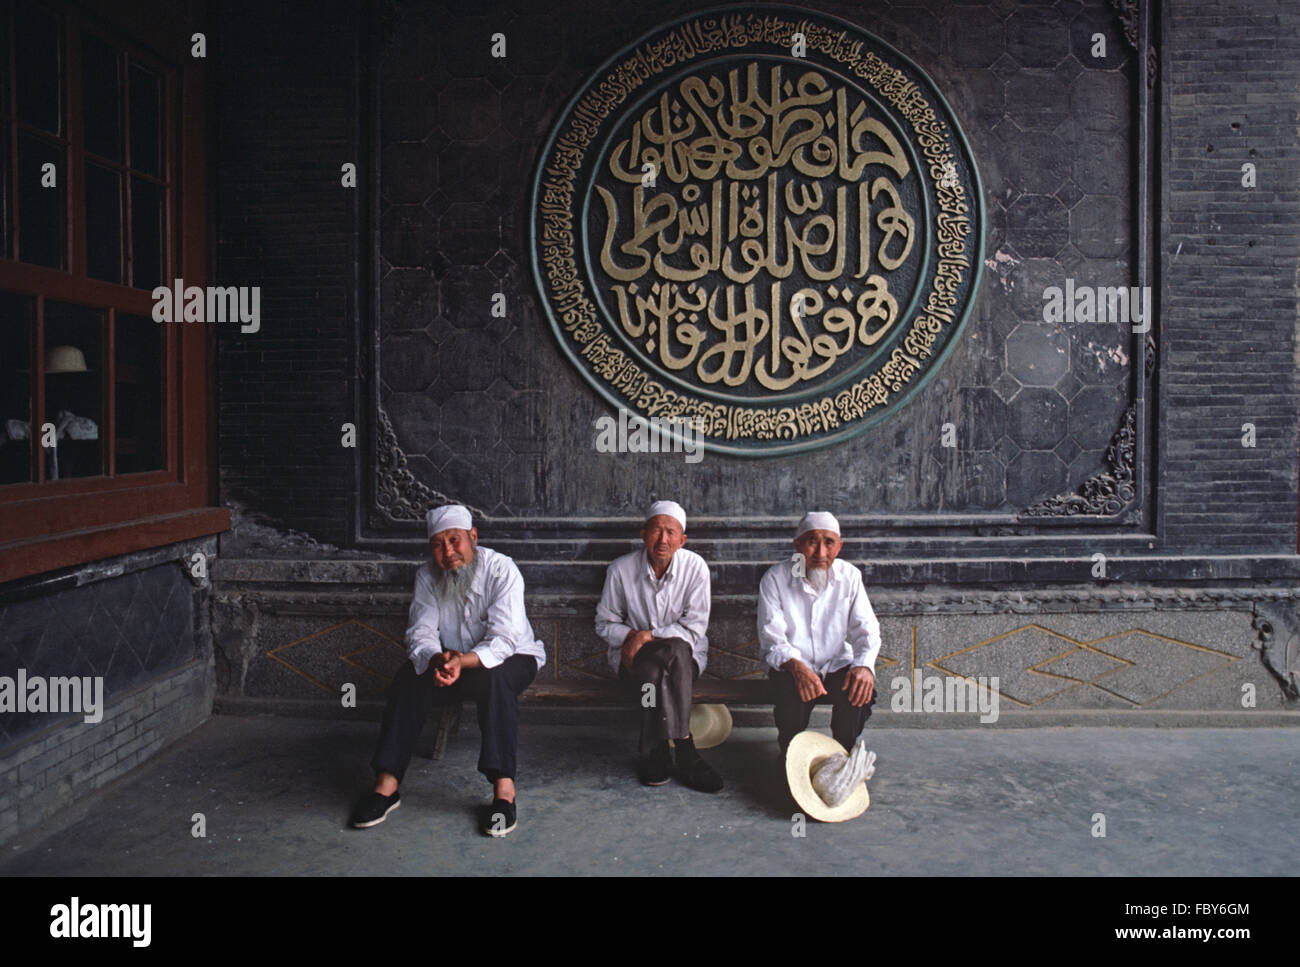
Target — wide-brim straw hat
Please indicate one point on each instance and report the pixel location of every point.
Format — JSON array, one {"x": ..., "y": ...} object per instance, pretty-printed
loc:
[
  {"x": 807, "y": 751},
  {"x": 710, "y": 725}
]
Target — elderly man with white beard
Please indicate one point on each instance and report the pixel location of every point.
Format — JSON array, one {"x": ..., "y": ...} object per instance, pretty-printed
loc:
[
  {"x": 818, "y": 634},
  {"x": 468, "y": 637}
]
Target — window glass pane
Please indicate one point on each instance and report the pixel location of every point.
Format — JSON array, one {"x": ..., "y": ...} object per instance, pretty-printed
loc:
[
  {"x": 73, "y": 401},
  {"x": 103, "y": 223},
  {"x": 4, "y": 62},
  {"x": 4, "y": 192},
  {"x": 146, "y": 233},
  {"x": 40, "y": 210},
  {"x": 138, "y": 394},
  {"x": 16, "y": 335},
  {"x": 101, "y": 98},
  {"x": 38, "y": 55},
  {"x": 146, "y": 121}
]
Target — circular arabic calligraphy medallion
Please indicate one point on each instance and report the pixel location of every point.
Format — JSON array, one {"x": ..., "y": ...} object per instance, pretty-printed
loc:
[{"x": 765, "y": 223}]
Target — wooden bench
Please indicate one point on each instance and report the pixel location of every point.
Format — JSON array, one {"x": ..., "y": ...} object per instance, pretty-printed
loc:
[{"x": 611, "y": 692}]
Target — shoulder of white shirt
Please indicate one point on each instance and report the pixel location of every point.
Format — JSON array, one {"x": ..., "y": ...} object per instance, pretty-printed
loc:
[
  {"x": 495, "y": 564},
  {"x": 630, "y": 559},
  {"x": 690, "y": 558}
]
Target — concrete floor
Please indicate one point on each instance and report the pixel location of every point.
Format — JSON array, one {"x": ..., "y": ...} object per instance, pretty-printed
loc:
[{"x": 276, "y": 792}]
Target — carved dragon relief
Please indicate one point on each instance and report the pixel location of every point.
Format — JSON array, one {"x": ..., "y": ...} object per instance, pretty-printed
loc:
[
  {"x": 398, "y": 495},
  {"x": 1129, "y": 12},
  {"x": 1279, "y": 643}
]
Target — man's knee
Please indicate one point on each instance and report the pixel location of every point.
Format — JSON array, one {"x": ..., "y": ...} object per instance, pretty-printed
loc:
[
  {"x": 405, "y": 681},
  {"x": 679, "y": 648}
]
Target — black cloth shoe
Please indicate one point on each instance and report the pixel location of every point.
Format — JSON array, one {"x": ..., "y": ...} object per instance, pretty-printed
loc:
[
  {"x": 693, "y": 771},
  {"x": 374, "y": 809},
  {"x": 656, "y": 768},
  {"x": 499, "y": 818}
]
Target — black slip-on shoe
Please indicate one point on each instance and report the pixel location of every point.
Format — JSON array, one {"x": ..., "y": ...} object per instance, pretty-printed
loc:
[
  {"x": 374, "y": 809},
  {"x": 499, "y": 818},
  {"x": 698, "y": 774},
  {"x": 656, "y": 768},
  {"x": 693, "y": 771}
]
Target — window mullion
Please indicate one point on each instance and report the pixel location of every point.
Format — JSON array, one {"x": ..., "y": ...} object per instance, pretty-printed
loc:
[
  {"x": 36, "y": 433},
  {"x": 12, "y": 187},
  {"x": 109, "y": 406},
  {"x": 76, "y": 152},
  {"x": 128, "y": 221}
]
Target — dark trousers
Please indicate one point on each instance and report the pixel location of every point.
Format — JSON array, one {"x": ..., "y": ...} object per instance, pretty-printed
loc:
[
  {"x": 666, "y": 665},
  {"x": 495, "y": 691},
  {"x": 793, "y": 715}
]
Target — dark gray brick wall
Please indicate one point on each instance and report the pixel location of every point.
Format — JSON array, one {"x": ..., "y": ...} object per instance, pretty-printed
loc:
[
  {"x": 60, "y": 767},
  {"x": 140, "y": 624},
  {"x": 287, "y": 113},
  {"x": 1049, "y": 139},
  {"x": 1230, "y": 254}
]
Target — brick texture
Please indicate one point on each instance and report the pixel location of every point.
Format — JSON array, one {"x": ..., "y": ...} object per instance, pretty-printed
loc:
[
  {"x": 287, "y": 109},
  {"x": 1230, "y": 256}
]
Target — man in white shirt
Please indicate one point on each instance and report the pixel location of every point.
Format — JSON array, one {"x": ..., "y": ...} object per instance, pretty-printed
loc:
[
  {"x": 468, "y": 637},
  {"x": 653, "y": 614},
  {"x": 818, "y": 634}
]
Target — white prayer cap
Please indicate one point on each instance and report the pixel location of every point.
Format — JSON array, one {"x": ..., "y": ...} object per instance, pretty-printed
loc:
[
  {"x": 448, "y": 516},
  {"x": 817, "y": 520},
  {"x": 669, "y": 508}
]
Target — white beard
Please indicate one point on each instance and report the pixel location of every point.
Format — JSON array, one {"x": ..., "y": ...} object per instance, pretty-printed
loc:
[
  {"x": 819, "y": 578},
  {"x": 452, "y": 587}
]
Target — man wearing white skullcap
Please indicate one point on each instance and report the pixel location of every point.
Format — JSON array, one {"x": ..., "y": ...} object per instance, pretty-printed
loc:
[
  {"x": 818, "y": 634},
  {"x": 653, "y": 615},
  {"x": 468, "y": 637}
]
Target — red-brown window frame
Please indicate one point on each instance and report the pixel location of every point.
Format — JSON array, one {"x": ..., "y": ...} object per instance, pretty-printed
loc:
[{"x": 47, "y": 524}]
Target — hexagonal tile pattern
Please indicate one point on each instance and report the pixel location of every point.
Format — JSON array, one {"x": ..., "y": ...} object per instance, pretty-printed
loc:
[
  {"x": 1037, "y": 418},
  {"x": 459, "y": 132},
  {"x": 469, "y": 109},
  {"x": 1037, "y": 37},
  {"x": 1038, "y": 354},
  {"x": 975, "y": 36},
  {"x": 1094, "y": 414},
  {"x": 1037, "y": 101},
  {"x": 1040, "y": 225},
  {"x": 1034, "y": 475}
]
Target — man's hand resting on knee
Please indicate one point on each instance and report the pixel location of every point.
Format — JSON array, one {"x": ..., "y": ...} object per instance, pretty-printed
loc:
[
  {"x": 634, "y": 642},
  {"x": 805, "y": 679},
  {"x": 860, "y": 682}
]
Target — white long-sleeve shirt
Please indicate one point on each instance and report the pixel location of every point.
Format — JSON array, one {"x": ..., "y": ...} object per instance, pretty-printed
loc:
[
  {"x": 825, "y": 631},
  {"x": 675, "y": 606},
  {"x": 491, "y": 623}
]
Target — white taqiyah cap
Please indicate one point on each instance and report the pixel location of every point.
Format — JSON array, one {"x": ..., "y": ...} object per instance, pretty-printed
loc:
[
  {"x": 817, "y": 520},
  {"x": 448, "y": 516},
  {"x": 669, "y": 508}
]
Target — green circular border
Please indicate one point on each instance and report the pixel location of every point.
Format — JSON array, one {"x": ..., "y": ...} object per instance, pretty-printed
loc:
[{"x": 764, "y": 449}]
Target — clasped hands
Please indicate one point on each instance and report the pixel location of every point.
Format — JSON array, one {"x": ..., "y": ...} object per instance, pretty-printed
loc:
[
  {"x": 448, "y": 664},
  {"x": 859, "y": 682}
]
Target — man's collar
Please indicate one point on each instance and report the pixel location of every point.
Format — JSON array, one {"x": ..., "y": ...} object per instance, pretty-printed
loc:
[
  {"x": 669, "y": 571},
  {"x": 479, "y": 581}
]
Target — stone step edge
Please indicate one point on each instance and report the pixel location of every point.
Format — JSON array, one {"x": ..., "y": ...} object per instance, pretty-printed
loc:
[{"x": 552, "y": 712}]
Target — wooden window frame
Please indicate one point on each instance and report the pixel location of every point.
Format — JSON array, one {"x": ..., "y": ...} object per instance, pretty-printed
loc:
[{"x": 51, "y": 524}]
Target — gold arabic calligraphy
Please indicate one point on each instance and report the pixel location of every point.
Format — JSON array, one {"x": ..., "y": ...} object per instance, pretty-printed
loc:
[{"x": 757, "y": 150}]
